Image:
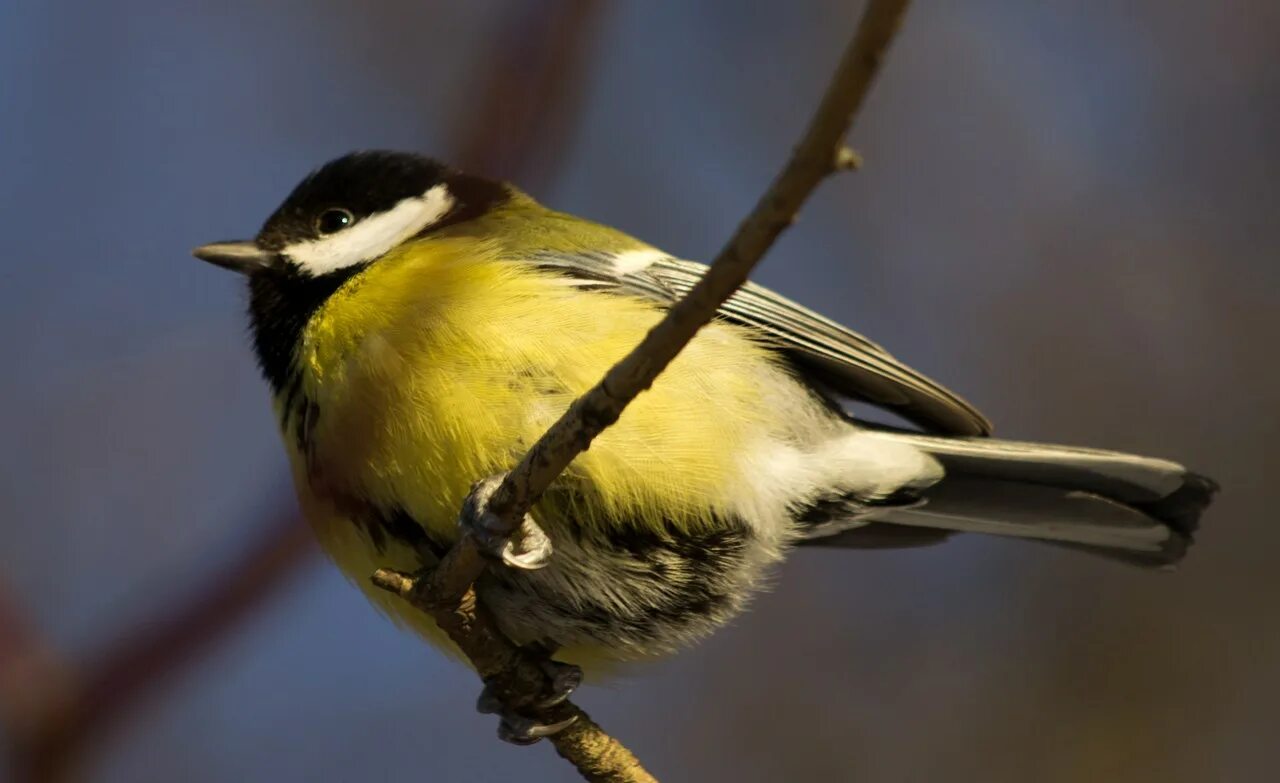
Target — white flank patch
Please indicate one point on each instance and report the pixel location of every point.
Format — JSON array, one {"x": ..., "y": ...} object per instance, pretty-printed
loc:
[
  {"x": 631, "y": 261},
  {"x": 372, "y": 236}
]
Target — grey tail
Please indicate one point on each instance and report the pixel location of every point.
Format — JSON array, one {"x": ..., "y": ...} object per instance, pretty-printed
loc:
[{"x": 1137, "y": 509}]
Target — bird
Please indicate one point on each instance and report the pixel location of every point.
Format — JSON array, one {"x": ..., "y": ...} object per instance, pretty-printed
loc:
[{"x": 420, "y": 327}]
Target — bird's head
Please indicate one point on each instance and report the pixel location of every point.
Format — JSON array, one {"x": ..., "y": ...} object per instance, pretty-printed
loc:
[
  {"x": 352, "y": 211},
  {"x": 338, "y": 221}
]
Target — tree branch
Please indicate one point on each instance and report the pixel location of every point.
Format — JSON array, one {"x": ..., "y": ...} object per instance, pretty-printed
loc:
[{"x": 447, "y": 592}]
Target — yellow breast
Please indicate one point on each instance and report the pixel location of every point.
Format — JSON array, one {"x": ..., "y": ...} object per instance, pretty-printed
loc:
[{"x": 442, "y": 363}]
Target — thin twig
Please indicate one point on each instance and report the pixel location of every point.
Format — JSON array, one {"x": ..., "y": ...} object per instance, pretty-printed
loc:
[
  {"x": 819, "y": 153},
  {"x": 447, "y": 592},
  {"x": 518, "y": 681}
]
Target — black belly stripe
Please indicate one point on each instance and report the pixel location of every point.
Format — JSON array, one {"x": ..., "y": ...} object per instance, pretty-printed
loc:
[
  {"x": 281, "y": 304},
  {"x": 706, "y": 557},
  {"x": 843, "y": 506},
  {"x": 703, "y": 550},
  {"x": 704, "y": 561},
  {"x": 384, "y": 527}
]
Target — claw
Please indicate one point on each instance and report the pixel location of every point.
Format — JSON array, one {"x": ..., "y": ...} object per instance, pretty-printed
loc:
[
  {"x": 519, "y": 730},
  {"x": 522, "y": 729},
  {"x": 565, "y": 679},
  {"x": 528, "y": 549},
  {"x": 516, "y": 728}
]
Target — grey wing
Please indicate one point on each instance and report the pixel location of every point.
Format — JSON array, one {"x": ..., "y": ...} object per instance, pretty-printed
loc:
[{"x": 821, "y": 349}]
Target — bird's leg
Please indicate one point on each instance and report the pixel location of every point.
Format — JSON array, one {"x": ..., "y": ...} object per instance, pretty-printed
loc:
[
  {"x": 527, "y": 726},
  {"x": 525, "y": 721},
  {"x": 528, "y": 548}
]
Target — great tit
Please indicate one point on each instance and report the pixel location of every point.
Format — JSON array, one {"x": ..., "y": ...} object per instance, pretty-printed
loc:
[{"x": 420, "y": 327}]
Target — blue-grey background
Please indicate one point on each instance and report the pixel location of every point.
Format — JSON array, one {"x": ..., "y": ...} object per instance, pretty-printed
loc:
[{"x": 1068, "y": 213}]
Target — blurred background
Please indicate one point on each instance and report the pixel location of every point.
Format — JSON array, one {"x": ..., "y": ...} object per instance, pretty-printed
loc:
[{"x": 1069, "y": 213}]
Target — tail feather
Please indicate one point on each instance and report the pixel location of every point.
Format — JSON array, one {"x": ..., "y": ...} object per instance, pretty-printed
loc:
[
  {"x": 1062, "y": 516},
  {"x": 1181, "y": 509},
  {"x": 1128, "y": 478},
  {"x": 1138, "y": 509}
]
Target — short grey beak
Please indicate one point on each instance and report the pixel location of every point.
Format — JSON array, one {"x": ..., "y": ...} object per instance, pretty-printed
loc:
[{"x": 243, "y": 257}]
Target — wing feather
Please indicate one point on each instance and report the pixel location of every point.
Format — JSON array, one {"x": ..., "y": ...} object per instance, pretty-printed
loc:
[{"x": 823, "y": 350}]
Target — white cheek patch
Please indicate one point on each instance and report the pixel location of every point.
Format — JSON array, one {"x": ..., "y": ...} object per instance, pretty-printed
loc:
[
  {"x": 631, "y": 261},
  {"x": 372, "y": 236}
]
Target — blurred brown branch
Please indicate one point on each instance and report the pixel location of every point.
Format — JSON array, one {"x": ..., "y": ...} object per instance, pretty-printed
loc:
[
  {"x": 111, "y": 684},
  {"x": 529, "y": 83},
  {"x": 447, "y": 592},
  {"x": 525, "y": 109},
  {"x": 36, "y": 686}
]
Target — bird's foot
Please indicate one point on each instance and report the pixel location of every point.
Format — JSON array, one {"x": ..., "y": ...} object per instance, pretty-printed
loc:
[
  {"x": 520, "y": 729},
  {"x": 528, "y": 548},
  {"x": 528, "y": 725}
]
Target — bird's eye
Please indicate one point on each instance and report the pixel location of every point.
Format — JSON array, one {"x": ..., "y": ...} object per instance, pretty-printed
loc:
[{"x": 332, "y": 220}]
